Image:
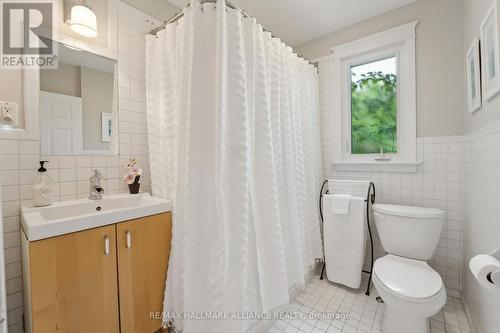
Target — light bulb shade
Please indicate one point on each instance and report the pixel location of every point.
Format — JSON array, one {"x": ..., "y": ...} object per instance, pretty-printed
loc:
[{"x": 83, "y": 21}]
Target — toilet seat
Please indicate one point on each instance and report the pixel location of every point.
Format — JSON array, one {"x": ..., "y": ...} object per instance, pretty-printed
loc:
[{"x": 408, "y": 279}]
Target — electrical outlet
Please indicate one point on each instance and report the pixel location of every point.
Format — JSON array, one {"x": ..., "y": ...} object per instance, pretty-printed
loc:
[{"x": 9, "y": 114}]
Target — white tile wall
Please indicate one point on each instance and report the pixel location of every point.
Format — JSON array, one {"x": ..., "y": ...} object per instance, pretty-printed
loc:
[
  {"x": 482, "y": 220},
  {"x": 70, "y": 174},
  {"x": 437, "y": 183}
]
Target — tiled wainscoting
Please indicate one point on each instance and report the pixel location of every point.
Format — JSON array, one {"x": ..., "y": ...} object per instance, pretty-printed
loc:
[
  {"x": 437, "y": 183},
  {"x": 482, "y": 219},
  {"x": 70, "y": 174}
]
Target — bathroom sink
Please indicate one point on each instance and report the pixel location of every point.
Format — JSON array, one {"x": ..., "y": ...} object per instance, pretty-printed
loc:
[{"x": 76, "y": 215}]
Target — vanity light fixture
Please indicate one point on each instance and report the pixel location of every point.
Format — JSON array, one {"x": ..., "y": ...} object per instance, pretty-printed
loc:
[{"x": 83, "y": 20}]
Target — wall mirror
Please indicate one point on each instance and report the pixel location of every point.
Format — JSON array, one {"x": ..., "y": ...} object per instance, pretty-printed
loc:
[{"x": 78, "y": 104}]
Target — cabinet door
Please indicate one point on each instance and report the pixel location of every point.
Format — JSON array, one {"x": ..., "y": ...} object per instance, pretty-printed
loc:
[
  {"x": 74, "y": 283},
  {"x": 143, "y": 253}
]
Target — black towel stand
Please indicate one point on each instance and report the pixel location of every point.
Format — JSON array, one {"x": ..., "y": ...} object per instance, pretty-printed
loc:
[{"x": 370, "y": 199}]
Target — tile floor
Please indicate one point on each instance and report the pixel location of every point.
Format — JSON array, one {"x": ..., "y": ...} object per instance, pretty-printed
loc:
[{"x": 324, "y": 307}]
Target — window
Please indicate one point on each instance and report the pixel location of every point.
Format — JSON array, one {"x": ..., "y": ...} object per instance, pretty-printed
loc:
[
  {"x": 374, "y": 101},
  {"x": 374, "y": 107}
]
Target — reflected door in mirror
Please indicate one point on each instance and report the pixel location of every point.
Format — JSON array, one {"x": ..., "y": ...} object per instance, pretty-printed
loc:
[{"x": 61, "y": 124}]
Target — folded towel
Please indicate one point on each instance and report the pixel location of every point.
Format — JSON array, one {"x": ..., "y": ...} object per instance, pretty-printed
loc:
[
  {"x": 340, "y": 204},
  {"x": 344, "y": 242}
]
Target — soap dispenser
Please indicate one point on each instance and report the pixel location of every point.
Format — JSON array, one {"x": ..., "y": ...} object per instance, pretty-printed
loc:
[{"x": 42, "y": 187}]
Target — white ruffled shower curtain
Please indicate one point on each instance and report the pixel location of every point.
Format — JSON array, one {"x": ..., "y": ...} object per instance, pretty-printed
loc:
[{"x": 234, "y": 140}]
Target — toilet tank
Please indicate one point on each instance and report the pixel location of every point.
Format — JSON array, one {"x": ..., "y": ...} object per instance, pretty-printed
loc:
[{"x": 406, "y": 231}]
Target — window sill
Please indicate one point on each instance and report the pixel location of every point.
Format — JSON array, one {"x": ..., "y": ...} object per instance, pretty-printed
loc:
[{"x": 377, "y": 166}]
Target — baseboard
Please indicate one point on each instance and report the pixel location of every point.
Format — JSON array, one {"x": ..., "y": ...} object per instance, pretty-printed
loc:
[{"x": 467, "y": 313}]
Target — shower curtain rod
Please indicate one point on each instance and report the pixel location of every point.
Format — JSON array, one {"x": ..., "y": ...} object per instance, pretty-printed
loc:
[{"x": 177, "y": 16}]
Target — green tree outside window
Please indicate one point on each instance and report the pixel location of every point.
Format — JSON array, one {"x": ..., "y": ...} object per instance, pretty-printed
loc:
[{"x": 374, "y": 112}]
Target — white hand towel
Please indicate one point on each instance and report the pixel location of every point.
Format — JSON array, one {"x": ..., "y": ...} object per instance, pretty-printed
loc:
[
  {"x": 340, "y": 204},
  {"x": 344, "y": 242}
]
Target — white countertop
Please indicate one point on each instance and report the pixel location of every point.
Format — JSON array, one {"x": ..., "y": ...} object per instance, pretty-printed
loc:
[{"x": 76, "y": 215}]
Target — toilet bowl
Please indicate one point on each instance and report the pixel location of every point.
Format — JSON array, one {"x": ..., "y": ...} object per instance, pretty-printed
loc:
[{"x": 412, "y": 291}]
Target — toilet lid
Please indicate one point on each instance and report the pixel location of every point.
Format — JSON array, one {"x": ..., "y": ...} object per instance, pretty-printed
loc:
[{"x": 408, "y": 277}]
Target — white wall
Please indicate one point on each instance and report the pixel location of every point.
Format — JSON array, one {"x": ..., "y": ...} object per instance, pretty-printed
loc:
[
  {"x": 482, "y": 186},
  {"x": 440, "y": 59},
  {"x": 482, "y": 219},
  {"x": 19, "y": 158}
]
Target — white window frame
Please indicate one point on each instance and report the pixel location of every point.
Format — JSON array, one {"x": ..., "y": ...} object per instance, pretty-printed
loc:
[{"x": 399, "y": 42}]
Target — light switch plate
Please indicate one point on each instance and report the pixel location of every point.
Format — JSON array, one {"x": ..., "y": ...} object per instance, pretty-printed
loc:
[{"x": 9, "y": 114}]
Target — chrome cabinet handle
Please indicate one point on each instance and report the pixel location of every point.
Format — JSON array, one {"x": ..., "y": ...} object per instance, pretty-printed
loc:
[
  {"x": 106, "y": 245},
  {"x": 129, "y": 239}
]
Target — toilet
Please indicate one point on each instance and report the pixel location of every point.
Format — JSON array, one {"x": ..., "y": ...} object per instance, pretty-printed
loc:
[{"x": 412, "y": 291}]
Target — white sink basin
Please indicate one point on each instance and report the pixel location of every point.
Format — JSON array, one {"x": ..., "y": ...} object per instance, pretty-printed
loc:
[{"x": 76, "y": 215}]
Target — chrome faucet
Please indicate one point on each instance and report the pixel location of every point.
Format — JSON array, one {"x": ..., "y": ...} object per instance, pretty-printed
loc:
[{"x": 96, "y": 189}]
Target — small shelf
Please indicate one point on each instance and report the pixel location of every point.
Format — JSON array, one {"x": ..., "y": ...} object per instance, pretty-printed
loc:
[
  {"x": 381, "y": 166},
  {"x": 12, "y": 133}
]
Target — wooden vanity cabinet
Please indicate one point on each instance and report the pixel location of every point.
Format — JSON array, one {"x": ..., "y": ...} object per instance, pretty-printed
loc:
[
  {"x": 73, "y": 283},
  {"x": 143, "y": 252},
  {"x": 107, "y": 280}
]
